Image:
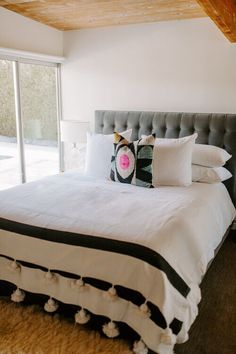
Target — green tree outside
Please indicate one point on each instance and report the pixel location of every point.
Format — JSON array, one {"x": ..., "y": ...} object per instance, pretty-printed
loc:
[{"x": 38, "y": 98}]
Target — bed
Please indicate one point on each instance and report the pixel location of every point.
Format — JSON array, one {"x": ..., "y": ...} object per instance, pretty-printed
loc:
[{"x": 116, "y": 250}]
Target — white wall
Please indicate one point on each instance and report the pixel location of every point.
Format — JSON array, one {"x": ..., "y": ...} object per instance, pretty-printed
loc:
[
  {"x": 183, "y": 65},
  {"x": 18, "y": 32}
]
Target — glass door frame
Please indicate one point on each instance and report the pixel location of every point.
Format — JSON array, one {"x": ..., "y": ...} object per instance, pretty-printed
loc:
[{"x": 18, "y": 109}]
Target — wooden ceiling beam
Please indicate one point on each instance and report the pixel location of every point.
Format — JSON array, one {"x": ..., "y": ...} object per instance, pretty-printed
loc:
[{"x": 223, "y": 13}]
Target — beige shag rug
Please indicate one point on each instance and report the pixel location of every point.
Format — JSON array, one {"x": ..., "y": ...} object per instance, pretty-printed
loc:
[{"x": 29, "y": 330}]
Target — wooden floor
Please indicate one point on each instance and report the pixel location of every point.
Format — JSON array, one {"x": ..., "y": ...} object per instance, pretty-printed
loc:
[{"x": 214, "y": 331}]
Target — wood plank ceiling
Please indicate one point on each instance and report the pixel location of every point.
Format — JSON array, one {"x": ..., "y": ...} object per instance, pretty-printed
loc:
[{"x": 77, "y": 14}]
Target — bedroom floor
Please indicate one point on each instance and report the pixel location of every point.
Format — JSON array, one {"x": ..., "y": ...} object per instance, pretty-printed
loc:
[
  {"x": 28, "y": 330},
  {"x": 214, "y": 331}
]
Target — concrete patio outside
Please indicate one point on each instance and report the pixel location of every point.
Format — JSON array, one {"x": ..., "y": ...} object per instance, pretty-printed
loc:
[{"x": 40, "y": 161}]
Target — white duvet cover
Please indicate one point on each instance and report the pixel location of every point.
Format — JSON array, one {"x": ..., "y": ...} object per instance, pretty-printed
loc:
[{"x": 182, "y": 225}]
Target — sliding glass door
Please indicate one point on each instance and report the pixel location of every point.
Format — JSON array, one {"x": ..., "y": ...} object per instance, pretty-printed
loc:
[
  {"x": 9, "y": 159},
  {"x": 28, "y": 122},
  {"x": 39, "y": 118}
]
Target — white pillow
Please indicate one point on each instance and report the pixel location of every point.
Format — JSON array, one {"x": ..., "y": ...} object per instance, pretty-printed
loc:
[
  {"x": 172, "y": 161},
  {"x": 209, "y": 155},
  {"x": 99, "y": 152},
  {"x": 209, "y": 174}
]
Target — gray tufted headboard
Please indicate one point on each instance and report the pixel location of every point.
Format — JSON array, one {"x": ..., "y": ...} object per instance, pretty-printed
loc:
[{"x": 213, "y": 129}]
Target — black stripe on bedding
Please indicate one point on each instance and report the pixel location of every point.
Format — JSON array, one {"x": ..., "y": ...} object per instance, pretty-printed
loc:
[
  {"x": 176, "y": 326},
  {"x": 123, "y": 292},
  {"x": 100, "y": 243},
  {"x": 68, "y": 310}
]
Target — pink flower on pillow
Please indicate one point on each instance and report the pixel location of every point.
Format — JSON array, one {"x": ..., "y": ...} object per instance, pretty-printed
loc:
[{"x": 124, "y": 161}]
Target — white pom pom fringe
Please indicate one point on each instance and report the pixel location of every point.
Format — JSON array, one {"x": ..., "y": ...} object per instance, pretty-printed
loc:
[
  {"x": 144, "y": 310},
  {"x": 82, "y": 317},
  {"x": 50, "y": 277},
  {"x": 14, "y": 266},
  {"x": 18, "y": 295},
  {"x": 78, "y": 285},
  {"x": 111, "y": 294},
  {"x": 111, "y": 330},
  {"x": 51, "y": 305},
  {"x": 167, "y": 337},
  {"x": 140, "y": 348}
]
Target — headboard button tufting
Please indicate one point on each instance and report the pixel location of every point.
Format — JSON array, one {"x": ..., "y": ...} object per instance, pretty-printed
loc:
[{"x": 214, "y": 129}]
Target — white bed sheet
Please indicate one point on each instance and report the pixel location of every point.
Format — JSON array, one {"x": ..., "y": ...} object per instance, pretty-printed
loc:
[
  {"x": 183, "y": 224},
  {"x": 173, "y": 221}
]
